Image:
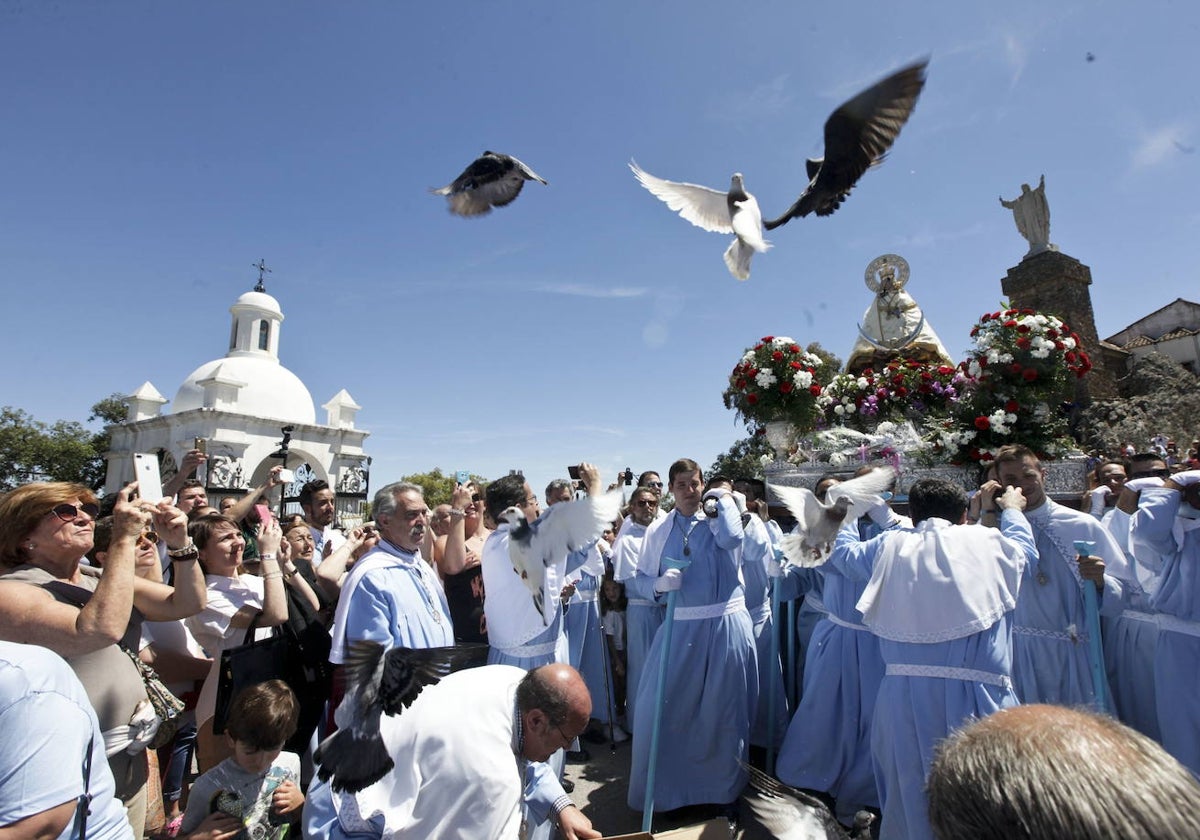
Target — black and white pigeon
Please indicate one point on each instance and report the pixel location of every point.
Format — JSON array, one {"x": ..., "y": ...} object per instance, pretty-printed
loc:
[
  {"x": 817, "y": 523},
  {"x": 735, "y": 211},
  {"x": 492, "y": 180},
  {"x": 857, "y": 137},
  {"x": 789, "y": 813},
  {"x": 380, "y": 682},
  {"x": 534, "y": 547}
]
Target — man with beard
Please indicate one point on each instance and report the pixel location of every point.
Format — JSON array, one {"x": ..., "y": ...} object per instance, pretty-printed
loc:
[
  {"x": 391, "y": 595},
  {"x": 318, "y": 503},
  {"x": 643, "y": 614}
]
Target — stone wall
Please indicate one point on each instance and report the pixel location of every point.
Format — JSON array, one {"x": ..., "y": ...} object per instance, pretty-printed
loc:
[{"x": 1057, "y": 284}]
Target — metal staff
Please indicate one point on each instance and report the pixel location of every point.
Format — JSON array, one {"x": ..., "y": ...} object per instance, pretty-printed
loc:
[
  {"x": 604, "y": 662},
  {"x": 772, "y": 663},
  {"x": 660, "y": 693},
  {"x": 1091, "y": 615}
]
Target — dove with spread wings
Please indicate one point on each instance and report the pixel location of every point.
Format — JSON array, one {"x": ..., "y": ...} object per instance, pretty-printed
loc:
[
  {"x": 535, "y": 546},
  {"x": 380, "y": 682},
  {"x": 734, "y": 211},
  {"x": 817, "y": 522}
]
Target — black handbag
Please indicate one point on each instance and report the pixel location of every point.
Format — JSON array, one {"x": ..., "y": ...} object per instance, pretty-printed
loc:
[{"x": 250, "y": 663}]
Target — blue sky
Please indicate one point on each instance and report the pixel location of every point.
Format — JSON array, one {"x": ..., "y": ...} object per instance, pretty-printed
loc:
[{"x": 152, "y": 151}]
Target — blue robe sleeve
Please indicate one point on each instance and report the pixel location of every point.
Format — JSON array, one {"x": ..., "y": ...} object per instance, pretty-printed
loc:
[
  {"x": 1153, "y": 523},
  {"x": 727, "y": 526},
  {"x": 543, "y": 791},
  {"x": 1015, "y": 527},
  {"x": 369, "y": 615},
  {"x": 853, "y": 558}
]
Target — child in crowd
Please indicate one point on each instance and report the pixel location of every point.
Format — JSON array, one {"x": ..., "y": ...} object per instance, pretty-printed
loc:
[
  {"x": 612, "y": 620},
  {"x": 256, "y": 788}
]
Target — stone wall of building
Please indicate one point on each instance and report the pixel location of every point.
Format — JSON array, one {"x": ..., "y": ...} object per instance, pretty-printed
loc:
[{"x": 1057, "y": 284}]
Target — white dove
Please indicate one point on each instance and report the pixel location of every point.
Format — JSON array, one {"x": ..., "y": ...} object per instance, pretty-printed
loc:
[
  {"x": 817, "y": 524},
  {"x": 533, "y": 547},
  {"x": 735, "y": 211}
]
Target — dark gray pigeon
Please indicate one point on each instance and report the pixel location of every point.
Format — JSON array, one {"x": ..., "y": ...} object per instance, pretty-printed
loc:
[
  {"x": 857, "y": 137},
  {"x": 492, "y": 180},
  {"x": 789, "y": 813},
  {"x": 382, "y": 682}
]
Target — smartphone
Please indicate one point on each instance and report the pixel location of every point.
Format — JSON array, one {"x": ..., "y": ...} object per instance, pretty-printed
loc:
[
  {"x": 264, "y": 514},
  {"x": 573, "y": 472},
  {"x": 462, "y": 476},
  {"x": 148, "y": 476},
  {"x": 201, "y": 445},
  {"x": 287, "y": 476}
]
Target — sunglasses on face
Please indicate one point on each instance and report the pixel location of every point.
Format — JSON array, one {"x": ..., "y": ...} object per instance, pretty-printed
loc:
[
  {"x": 646, "y": 503},
  {"x": 476, "y": 497},
  {"x": 657, "y": 484},
  {"x": 1154, "y": 473},
  {"x": 69, "y": 513},
  {"x": 150, "y": 537}
]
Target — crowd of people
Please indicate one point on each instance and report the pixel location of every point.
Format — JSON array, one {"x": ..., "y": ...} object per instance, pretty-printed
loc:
[{"x": 967, "y": 608}]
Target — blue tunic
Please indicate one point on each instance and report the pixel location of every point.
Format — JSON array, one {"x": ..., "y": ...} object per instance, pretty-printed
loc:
[
  {"x": 712, "y": 673},
  {"x": 1177, "y": 656},
  {"x": 756, "y": 550},
  {"x": 1050, "y": 643},
  {"x": 586, "y": 643},
  {"x": 1130, "y": 641},
  {"x": 828, "y": 744},
  {"x": 643, "y": 617},
  {"x": 400, "y": 604},
  {"x": 932, "y": 688}
]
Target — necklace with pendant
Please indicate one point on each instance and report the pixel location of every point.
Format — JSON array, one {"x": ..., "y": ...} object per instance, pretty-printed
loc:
[{"x": 687, "y": 535}]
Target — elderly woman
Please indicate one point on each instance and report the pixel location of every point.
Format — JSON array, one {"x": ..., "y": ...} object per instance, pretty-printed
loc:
[
  {"x": 235, "y": 599},
  {"x": 90, "y": 619}
]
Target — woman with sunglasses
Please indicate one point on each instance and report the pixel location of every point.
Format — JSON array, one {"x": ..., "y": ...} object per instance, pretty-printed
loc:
[{"x": 91, "y": 619}]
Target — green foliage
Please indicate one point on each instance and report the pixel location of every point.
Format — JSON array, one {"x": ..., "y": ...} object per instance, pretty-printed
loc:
[
  {"x": 438, "y": 487},
  {"x": 31, "y": 450},
  {"x": 744, "y": 459}
]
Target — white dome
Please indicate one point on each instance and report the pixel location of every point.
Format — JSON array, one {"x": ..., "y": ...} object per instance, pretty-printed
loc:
[
  {"x": 260, "y": 300},
  {"x": 270, "y": 389}
]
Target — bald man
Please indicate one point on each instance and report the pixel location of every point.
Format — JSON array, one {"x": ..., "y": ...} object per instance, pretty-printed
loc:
[{"x": 470, "y": 761}]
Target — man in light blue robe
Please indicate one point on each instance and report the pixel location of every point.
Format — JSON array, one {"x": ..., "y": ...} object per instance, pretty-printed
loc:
[
  {"x": 392, "y": 596},
  {"x": 711, "y": 680},
  {"x": 940, "y": 597},
  {"x": 643, "y": 614},
  {"x": 1131, "y": 638},
  {"x": 1166, "y": 532},
  {"x": 828, "y": 743},
  {"x": 1050, "y": 641},
  {"x": 586, "y": 643}
]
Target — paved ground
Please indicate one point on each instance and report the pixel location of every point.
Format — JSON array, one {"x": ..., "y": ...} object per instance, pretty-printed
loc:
[{"x": 601, "y": 786}]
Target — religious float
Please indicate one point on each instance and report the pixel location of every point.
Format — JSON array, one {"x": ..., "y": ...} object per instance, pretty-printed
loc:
[{"x": 902, "y": 400}]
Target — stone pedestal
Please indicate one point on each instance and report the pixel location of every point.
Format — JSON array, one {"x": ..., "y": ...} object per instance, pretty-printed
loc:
[{"x": 1057, "y": 284}]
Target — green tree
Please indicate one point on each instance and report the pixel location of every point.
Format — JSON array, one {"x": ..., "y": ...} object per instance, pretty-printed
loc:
[
  {"x": 66, "y": 450},
  {"x": 744, "y": 459},
  {"x": 438, "y": 487}
]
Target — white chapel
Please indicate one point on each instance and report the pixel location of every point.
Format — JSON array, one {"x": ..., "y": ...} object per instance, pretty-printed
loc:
[{"x": 251, "y": 413}]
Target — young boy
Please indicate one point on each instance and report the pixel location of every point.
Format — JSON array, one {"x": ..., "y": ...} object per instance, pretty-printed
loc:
[{"x": 256, "y": 789}]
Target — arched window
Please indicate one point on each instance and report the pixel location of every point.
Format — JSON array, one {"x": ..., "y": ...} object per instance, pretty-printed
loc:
[
  {"x": 233, "y": 335},
  {"x": 264, "y": 334}
]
